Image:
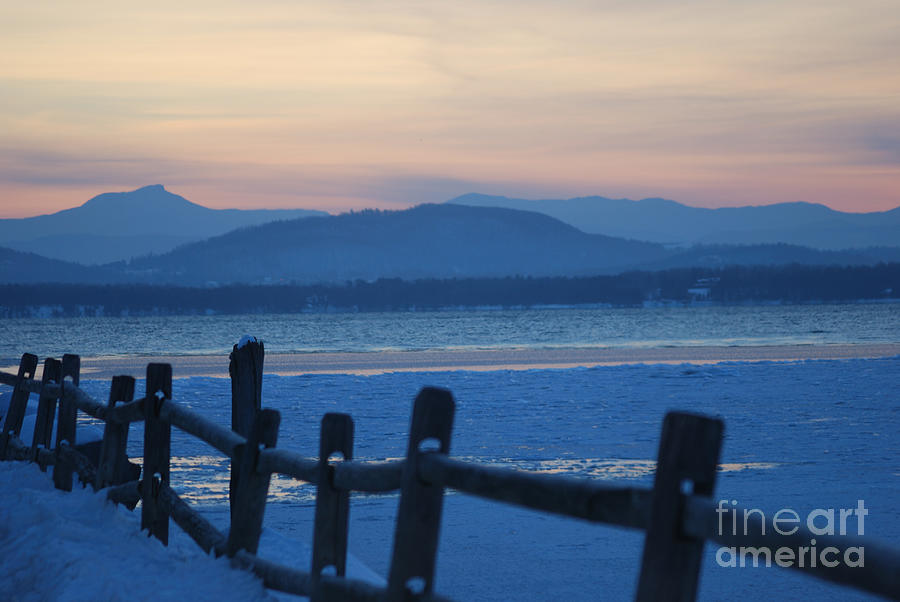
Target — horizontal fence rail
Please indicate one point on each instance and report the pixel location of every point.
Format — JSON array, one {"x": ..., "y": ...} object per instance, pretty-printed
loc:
[
  {"x": 568, "y": 496},
  {"x": 677, "y": 519},
  {"x": 223, "y": 439}
]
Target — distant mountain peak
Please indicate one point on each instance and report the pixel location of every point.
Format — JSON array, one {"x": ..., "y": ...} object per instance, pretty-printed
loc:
[
  {"x": 659, "y": 201},
  {"x": 118, "y": 225},
  {"x": 151, "y": 189},
  {"x": 145, "y": 195}
]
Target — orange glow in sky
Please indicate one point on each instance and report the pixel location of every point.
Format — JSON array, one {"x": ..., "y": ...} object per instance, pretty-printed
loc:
[{"x": 347, "y": 104}]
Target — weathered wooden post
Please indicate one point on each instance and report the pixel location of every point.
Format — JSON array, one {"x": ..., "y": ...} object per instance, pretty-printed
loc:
[
  {"x": 157, "y": 451},
  {"x": 686, "y": 464},
  {"x": 46, "y": 410},
  {"x": 68, "y": 419},
  {"x": 249, "y": 500},
  {"x": 332, "y": 504},
  {"x": 15, "y": 413},
  {"x": 246, "y": 371},
  {"x": 419, "y": 515},
  {"x": 113, "y": 454}
]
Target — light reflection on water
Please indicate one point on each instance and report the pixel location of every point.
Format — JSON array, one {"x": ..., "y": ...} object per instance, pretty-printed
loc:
[
  {"x": 205, "y": 479},
  {"x": 611, "y": 468}
]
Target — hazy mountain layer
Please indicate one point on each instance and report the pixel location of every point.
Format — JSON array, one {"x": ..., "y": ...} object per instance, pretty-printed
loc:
[
  {"x": 429, "y": 241},
  {"x": 664, "y": 221}
]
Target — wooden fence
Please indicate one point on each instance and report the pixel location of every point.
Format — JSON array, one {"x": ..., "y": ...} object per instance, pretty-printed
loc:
[{"x": 678, "y": 513}]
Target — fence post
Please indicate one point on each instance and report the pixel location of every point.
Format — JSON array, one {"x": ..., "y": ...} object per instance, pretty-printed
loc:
[
  {"x": 46, "y": 410},
  {"x": 68, "y": 419},
  {"x": 246, "y": 370},
  {"x": 332, "y": 504},
  {"x": 157, "y": 449},
  {"x": 249, "y": 501},
  {"x": 686, "y": 464},
  {"x": 71, "y": 366},
  {"x": 419, "y": 514},
  {"x": 113, "y": 455},
  {"x": 15, "y": 413}
]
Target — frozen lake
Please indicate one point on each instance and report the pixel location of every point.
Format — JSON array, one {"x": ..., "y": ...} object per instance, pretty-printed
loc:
[{"x": 799, "y": 435}]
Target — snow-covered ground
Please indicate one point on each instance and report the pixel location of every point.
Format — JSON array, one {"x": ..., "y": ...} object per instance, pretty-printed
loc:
[
  {"x": 79, "y": 547},
  {"x": 799, "y": 435},
  {"x": 61, "y": 546}
]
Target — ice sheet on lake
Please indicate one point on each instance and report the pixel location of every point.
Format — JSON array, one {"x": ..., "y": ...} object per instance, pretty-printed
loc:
[{"x": 799, "y": 435}]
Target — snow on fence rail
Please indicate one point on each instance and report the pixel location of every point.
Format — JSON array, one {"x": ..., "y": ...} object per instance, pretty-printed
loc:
[{"x": 678, "y": 513}]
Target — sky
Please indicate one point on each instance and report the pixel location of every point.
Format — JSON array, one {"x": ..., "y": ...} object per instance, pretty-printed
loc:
[{"x": 347, "y": 104}]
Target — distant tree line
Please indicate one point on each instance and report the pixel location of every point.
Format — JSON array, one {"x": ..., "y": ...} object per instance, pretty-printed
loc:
[{"x": 730, "y": 285}]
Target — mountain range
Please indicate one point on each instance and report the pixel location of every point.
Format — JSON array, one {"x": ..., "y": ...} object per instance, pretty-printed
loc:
[
  {"x": 669, "y": 222},
  {"x": 120, "y": 225},
  {"x": 449, "y": 240}
]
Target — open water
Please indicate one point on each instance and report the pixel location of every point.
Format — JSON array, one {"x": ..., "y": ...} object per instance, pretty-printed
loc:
[{"x": 481, "y": 329}]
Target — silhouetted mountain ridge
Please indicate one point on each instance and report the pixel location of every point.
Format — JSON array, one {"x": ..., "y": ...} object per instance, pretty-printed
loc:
[
  {"x": 20, "y": 267},
  {"x": 779, "y": 254},
  {"x": 426, "y": 241}
]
